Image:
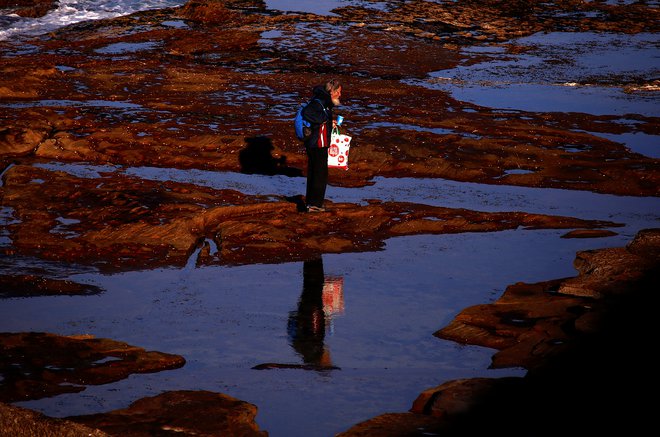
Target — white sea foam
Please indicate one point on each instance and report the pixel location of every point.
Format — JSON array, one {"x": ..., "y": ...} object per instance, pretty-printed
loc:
[{"x": 75, "y": 11}]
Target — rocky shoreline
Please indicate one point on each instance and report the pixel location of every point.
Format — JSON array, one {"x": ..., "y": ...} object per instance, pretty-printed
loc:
[
  {"x": 583, "y": 341},
  {"x": 167, "y": 89}
]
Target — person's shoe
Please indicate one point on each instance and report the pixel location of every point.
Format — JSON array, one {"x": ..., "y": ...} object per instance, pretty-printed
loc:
[{"x": 313, "y": 208}]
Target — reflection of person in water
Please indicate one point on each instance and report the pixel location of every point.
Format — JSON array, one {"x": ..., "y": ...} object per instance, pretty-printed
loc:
[{"x": 307, "y": 325}]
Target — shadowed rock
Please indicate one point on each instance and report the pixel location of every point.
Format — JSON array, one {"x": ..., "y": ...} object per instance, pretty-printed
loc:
[
  {"x": 317, "y": 367},
  {"x": 526, "y": 324},
  {"x": 396, "y": 425},
  {"x": 31, "y": 285},
  {"x": 36, "y": 365},
  {"x": 532, "y": 322},
  {"x": 614, "y": 271}
]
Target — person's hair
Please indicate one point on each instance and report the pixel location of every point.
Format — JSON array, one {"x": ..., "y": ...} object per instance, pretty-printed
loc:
[{"x": 332, "y": 85}]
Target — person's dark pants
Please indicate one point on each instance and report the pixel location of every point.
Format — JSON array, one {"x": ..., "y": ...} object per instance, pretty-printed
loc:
[{"x": 317, "y": 175}]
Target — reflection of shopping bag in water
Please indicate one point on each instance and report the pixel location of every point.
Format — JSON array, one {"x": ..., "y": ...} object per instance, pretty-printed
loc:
[
  {"x": 333, "y": 295},
  {"x": 338, "y": 150}
]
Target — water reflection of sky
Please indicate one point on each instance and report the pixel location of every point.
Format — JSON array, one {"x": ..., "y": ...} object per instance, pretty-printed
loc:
[
  {"x": 124, "y": 47},
  {"x": 639, "y": 142},
  {"x": 324, "y": 7},
  {"x": 565, "y": 72},
  {"x": 225, "y": 320}
]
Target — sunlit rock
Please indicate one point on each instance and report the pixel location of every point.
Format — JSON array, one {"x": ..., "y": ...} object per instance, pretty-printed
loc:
[
  {"x": 21, "y": 422},
  {"x": 118, "y": 222},
  {"x": 179, "y": 413}
]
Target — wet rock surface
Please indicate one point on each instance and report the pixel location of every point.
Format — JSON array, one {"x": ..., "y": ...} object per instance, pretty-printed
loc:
[
  {"x": 179, "y": 413},
  {"x": 33, "y": 285},
  {"x": 35, "y": 365},
  {"x": 170, "y": 413},
  {"x": 21, "y": 422},
  {"x": 119, "y": 91},
  {"x": 116, "y": 222},
  {"x": 213, "y": 86}
]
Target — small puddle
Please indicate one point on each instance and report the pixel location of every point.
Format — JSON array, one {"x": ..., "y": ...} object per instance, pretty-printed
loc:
[
  {"x": 402, "y": 126},
  {"x": 177, "y": 24},
  {"x": 62, "y": 227},
  {"x": 638, "y": 142},
  {"x": 124, "y": 47},
  {"x": 321, "y": 7},
  {"x": 6, "y": 218},
  {"x": 74, "y": 103},
  {"x": 515, "y": 171}
]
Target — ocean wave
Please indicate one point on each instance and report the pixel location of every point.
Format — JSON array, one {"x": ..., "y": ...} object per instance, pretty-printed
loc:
[{"x": 75, "y": 11}]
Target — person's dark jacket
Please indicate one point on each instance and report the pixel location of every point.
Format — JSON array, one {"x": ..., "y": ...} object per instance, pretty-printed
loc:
[{"x": 318, "y": 113}]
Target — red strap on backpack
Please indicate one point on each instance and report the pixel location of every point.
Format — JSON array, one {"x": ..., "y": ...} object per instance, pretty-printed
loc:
[{"x": 322, "y": 141}]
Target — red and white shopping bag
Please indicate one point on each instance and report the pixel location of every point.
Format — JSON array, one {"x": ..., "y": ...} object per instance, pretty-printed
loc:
[{"x": 338, "y": 150}]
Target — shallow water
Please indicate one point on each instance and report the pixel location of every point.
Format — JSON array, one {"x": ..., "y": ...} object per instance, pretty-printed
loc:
[
  {"x": 226, "y": 320},
  {"x": 561, "y": 72}
]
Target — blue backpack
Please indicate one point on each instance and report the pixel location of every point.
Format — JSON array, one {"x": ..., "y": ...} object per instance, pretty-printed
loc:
[{"x": 302, "y": 126}]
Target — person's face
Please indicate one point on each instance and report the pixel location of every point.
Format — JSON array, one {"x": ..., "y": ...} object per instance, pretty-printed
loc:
[{"x": 335, "y": 95}]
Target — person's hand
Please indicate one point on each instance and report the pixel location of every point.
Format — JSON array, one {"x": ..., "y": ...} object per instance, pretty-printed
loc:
[{"x": 334, "y": 124}]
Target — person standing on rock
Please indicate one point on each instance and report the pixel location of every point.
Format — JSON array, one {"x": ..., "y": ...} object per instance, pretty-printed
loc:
[{"x": 319, "y": 114}]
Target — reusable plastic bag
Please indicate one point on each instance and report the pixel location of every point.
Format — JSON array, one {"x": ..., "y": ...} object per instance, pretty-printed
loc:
[
  {"x": 340, "y": 144},
  {"x": 333, "y": 295}
]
